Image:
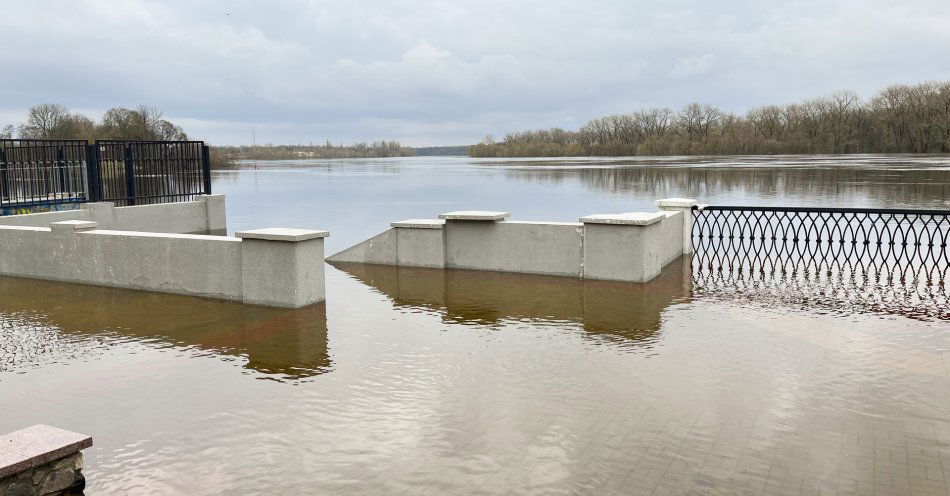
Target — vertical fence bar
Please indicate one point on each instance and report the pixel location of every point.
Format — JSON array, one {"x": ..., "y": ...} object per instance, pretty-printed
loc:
[
  {"x": 129, "y": 174},
  {"x": 206, "y": 167},
  {"x": 93, "y": 190},
  {"x": 4, "y": 180},
  {"x": 61, "y": 167}
]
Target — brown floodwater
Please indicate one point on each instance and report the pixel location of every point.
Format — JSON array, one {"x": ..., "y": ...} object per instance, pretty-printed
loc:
[{"x": 422, "y": 381}]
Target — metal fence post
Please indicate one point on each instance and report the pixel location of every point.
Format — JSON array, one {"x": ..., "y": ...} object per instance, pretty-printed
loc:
[
  {"x": 61, "y": 165},
  {"x": 206, "y": 167},
  {"x": 93, "y": 192},
  {"x": 4, "y": 181},
  {"x": 129, "y": 174}
]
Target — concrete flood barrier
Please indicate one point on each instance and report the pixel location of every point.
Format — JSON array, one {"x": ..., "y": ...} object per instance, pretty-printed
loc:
[
  {"x": 273, "y": 267},
  {"x": 632, "y": 246},
  {"x": 204, "y": 215}
]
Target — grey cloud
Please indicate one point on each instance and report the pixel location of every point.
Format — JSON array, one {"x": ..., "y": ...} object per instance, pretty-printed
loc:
[{"x": 440, "y": 72}]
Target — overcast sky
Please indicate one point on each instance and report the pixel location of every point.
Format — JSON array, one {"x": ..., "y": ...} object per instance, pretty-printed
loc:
[{"x": 449, "y": 72}]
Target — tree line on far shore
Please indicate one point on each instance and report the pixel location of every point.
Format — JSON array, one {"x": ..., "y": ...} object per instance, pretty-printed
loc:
[
  {"x": 145, "y": 123},
  {"x": 376, "y": 149},
  {"x": 898, "y": 119}
]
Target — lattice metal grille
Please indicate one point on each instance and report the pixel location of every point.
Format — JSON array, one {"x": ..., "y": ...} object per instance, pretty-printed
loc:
[{"x": 894, "y": 260}]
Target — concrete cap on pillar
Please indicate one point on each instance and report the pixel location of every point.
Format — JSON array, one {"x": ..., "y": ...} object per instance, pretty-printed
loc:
[
  {"x": 626, "y": 219},
  {"x": 420, "y": 223},
  {"x": 475, "y": 215},
  {"x": 282, "y": 234},
  {"x": 677, "y": 202},
  {"x": 69, "y": 226}
]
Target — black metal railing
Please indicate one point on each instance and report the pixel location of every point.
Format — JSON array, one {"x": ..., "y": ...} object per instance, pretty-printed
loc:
[
  {"x": 144, "y": 172},
  {"x": 50, "y": 172},
  {"x": 38, "y": 172},
  {"x": 895, "y": 259}
]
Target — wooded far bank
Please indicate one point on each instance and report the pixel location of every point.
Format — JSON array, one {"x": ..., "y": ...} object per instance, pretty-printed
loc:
[{"x": 898, "y": 119}]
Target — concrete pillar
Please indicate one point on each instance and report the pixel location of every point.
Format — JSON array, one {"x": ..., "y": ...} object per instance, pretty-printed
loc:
[
  {"x": 420, "y": 243},
  {"x": 215, "y": 211},
  {"x": 469, "y": 236},
  {"x": 624, "y": 247},
  {"x": 684, "y": 205},
  {"x": 282, "y": 267}
]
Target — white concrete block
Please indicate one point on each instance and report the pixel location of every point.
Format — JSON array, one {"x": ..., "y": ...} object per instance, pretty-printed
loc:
[
  {"x": 622, "y": 252},
  {"x": 281, "y": 272},
  {"x": 676, "y": 203},
  {"x": 215, "y": 213},
  {"x": 629, "y": 218},
  {"x": 420, "y": 247},
  {"x": 282, "y": 234},
  {"x": 420, "y": 223},
  {"x": 684, "y": 205},
  {"x": 70, "y": 226},
  {"x": 477, "y": 215}
]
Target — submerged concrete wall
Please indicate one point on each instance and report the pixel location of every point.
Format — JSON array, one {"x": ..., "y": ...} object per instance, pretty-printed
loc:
[
  {"x": 624, "y": 247},
  {"x": 204, "y": 215},
  {"x": 273, "y": 267}
]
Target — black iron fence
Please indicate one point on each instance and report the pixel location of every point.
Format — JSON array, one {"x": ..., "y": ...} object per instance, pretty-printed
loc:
[
  {"x": 52, "y": 172},
  {"x": 143, "y": 172},
  {"x": 895, "y": 259},
  {"x": 38, "y": 172}
]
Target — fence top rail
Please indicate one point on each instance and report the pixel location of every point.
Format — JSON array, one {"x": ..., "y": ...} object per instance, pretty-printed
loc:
[
  {"x": 11, "y": 144},
  {"x": 150, "y": 142},
  {"x": 882, "y": 211},
  {"x": 41, "y": 140}
]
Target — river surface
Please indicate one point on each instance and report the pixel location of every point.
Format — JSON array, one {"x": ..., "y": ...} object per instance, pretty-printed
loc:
[{"x": 421, "y": 381}]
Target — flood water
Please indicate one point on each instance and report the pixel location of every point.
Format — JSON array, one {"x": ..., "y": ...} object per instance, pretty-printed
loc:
[{"x": 422, "y": 381}]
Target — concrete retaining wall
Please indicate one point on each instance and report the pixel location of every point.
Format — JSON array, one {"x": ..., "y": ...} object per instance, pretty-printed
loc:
[
  {"x": 205, "y": 215},
  {"x": 274, "y": 267},
  {"x": 624, "y": 247},
  {"x": 553, "y": 248}
]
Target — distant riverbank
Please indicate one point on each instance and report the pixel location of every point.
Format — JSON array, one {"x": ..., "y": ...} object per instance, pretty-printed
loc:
[
  {"x": 225, "y": 157},
  {"x": 897, "y": 119}
]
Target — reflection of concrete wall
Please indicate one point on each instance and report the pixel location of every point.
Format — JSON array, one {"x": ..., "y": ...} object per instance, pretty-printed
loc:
[
  {"x": 624, "y": 247},
  {"x": 622, "y": 309},
  {"x": 287, "y": 342},
  {"x": 205, "y": 215}
]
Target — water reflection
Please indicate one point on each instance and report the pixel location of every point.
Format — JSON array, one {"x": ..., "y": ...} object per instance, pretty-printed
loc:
[
  {"x": 279, "y": 344},
  {"x": 629, "y": 313},
  {"x": 892, "y": 184}
]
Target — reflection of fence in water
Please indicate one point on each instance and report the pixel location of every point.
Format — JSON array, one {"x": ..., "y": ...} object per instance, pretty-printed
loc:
[{"x": 895, "y": 261}]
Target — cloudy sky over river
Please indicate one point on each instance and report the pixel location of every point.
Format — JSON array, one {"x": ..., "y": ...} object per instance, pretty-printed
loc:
[{"x": 448, "y": 72}]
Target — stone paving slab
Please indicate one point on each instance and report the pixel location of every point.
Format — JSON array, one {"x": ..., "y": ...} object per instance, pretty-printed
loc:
[{"x": 37, "y": 445}]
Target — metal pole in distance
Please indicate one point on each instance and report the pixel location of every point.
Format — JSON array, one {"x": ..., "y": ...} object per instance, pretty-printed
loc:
[
  {"x": 129, "y": 174},
  {"x": 206, "y": 167}
]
